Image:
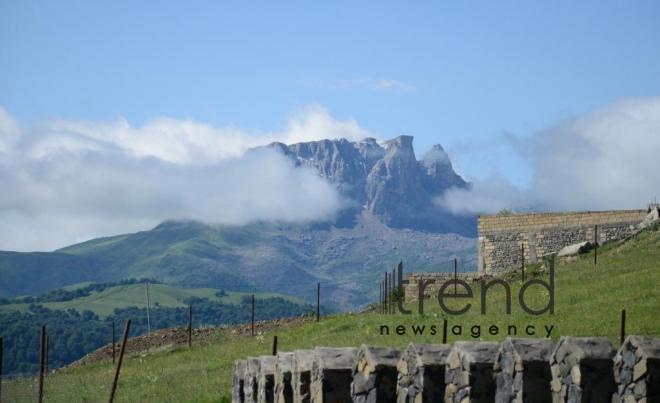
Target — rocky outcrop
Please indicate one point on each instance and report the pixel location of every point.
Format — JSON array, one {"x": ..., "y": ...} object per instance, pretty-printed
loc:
[
  {"x": 385, "y": 179},
  {"x": 575, "y": 249},
  {"x": 437, "y": 171},
  {"x": 394, "y": 189}
]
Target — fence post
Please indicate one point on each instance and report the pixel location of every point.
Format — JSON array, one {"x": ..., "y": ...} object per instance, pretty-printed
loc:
[
  {"x": 275, "y": 345},
  {"x": 622, "y": 335},
  {"x": 1, "y": 349},
  {"x": 522, "y": 258},
  {"x": 42, "y": 359},
  {"x": 386, "y": 306},
  {"x": 122, "y": 349},
  {"x": 595, "y": 244},
  {"x": 318, "y": 301},
  {"x": 189, "y": 325},
  {"x": 113, "y": 342},
  {"x": 444, "y": 331},
  {"x": 393, "y": 291},
  {"x": 46, "y": 363},
  {"x": 380, "y": 297},
  {"x": 455, "y": 275},
  {"x": 146, "y": 285},
  {"x": 252, "y": 314}
]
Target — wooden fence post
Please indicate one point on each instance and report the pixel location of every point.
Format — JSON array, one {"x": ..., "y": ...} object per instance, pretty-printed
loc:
[
  {"x": 622, "y": 335},
  {"x": 190, "y": 326},
  {"x": 252, "y": 314},
  {"x": 393, "y": 282},
  {"x": 595, "y": 244},
  {"x": 122, "y": 350},
  {"x": 522, "y": 257},
  {"x": 380, "y": 297},
  {"x": 387, "y": 301},
  {"x": 455, "y": 275},
  {"x": 1, "y": 349},
  {"x": 275, "y": 345},
  {"x": 318, "y": 301},
  {"x": 113, "y": 342},
  {"x": 444, "y": 331},
  {"x": 42, "y": 363},
  {"x": 146, "y": 285},
  {"x": 47, "y": 344}
]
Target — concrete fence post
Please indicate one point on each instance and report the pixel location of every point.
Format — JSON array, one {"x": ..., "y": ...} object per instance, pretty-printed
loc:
[
  {"x": 469, "y": 372},
  {"x": 637, "y": 370},
  {"x": 375, "y": 375},
  {"x": 582, "y": 367},
  {"x": 238, "y": 382},
  {"x": 251, "y": 380},
  {"x": 522, "y": 371},
  {"x": 302, "y": 374},
  {"x": 266, "y": 379},
  {"x": 421, "y": 373},
  {"x": 332, "y": 373},
  {"x": 284, "y": 378}
]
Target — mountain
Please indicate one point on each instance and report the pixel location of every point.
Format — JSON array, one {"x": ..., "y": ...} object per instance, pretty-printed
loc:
[
  {"x": 393, "y": 218},
  {"x": 387, "y": 180}
]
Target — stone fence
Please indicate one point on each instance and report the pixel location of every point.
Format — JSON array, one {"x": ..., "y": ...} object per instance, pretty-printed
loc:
[
  {"x": 503, "y": 240},
  {"x": 576, "y": 369},
  {"x": 432, "y": 282}
]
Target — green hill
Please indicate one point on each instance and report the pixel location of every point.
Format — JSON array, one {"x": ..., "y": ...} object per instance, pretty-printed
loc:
[
  {"x": 37, "y": 272},
  {"x": 261, "y": 257},
  {"x": 104, "y": 303},
  {"x": 588, "y": 302}
]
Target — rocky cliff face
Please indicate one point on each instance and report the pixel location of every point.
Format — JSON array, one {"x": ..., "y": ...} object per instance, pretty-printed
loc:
[{"x": 386, "y": 179}]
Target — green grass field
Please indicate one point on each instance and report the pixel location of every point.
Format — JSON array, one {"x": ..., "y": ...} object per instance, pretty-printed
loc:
[
  {"x": 588, "y": 302},
  {"x": 104, "y": 303}
]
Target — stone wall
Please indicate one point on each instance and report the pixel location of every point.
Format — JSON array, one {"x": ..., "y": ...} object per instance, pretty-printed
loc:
[
  {"x": 433, "y": 282},
  {"x": 503, "y": 238},
  {"x": 517, "y": 370}
]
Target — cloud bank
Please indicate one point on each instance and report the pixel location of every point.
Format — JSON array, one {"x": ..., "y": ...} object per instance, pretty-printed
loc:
[
  {"x": 607, "y": 159},
  {"x": 68, "y": 181}
]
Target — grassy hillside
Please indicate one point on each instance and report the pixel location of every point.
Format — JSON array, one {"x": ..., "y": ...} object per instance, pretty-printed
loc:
[
  {"x": 36, "y": 272},
  {"x": 103, "y": 303},
  {"x": 588, "y": 302},
  {"x": 286, "y": 259}
]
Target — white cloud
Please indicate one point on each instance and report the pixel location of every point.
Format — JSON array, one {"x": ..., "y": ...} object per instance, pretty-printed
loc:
[
  {"x": 607, "y": 159},
  {"x": 9, "y": 131},
  {"x": 315, "y": 123},
  {"x": 487, "y": 196},
  {"x": 66, "y": 181}
]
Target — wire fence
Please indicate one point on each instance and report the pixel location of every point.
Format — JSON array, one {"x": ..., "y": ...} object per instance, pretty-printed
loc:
[{"x": 361, "y": 291}]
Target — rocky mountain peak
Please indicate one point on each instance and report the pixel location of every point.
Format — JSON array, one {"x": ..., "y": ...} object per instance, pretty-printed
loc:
[
  {"x": 385, "y": 178},
  {"x": 436, "y": 156},
  {"x": 404, "y": 143}
]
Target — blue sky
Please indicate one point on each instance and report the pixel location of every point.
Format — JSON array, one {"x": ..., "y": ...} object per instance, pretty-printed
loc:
[
  {"x": 485, "y": 79},
  {"x": 468, "y": 70}
]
